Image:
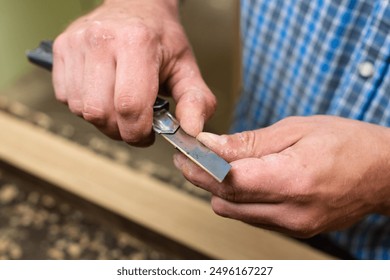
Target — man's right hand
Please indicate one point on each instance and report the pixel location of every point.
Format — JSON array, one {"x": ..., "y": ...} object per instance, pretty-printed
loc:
[{"x": 110, "y": 64}]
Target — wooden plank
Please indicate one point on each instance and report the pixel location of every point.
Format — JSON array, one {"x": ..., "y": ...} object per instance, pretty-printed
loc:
[{"x": 139, "y": 197}]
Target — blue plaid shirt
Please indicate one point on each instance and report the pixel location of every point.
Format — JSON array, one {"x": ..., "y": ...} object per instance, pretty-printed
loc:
[{"x": 305, "y": 57}]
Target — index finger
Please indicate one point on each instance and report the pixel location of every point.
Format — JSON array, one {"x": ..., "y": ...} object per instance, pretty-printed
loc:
[{"x": 264, "y": 180}]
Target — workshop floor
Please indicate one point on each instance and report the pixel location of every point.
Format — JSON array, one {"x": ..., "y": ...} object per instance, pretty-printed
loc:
[
  {"x": 39, "y": 221},
  {"x": 37, "y": 224}
]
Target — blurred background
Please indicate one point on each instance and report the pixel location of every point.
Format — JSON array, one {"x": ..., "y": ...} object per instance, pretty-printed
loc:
[{"x": 24, "y": 23}]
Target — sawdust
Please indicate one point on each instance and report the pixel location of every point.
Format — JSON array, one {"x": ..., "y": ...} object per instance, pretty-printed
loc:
[
  {"x": 8, "y": 193},
  {"x": 38, "y": 225}
]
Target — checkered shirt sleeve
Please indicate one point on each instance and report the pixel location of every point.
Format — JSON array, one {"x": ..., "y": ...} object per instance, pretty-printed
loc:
[{"x": 304, "y": 57}]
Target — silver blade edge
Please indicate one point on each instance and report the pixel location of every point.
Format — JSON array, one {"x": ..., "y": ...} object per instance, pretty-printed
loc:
[{"x": 209, "y": 161}]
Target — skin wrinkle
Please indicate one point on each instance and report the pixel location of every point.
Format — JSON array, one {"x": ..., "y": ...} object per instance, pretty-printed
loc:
[
  {"x": 76, "y": 106},
  {"x": 145, "y": 33},
  {"x": 128, "y": 106},
  {"x": 95, "y": 115},
  {"x": 58, "y": 67},
  {"x": 227, "y": 150},
  {"x": 98, "y": 37},
  {"x": 194, "y": 96},
  {"x": 248, "y": 143},
  {"x": 100, "y": 34},
  {"x": 138, "y": 35},
  {"x": 245, "y": 189},
  {"x": 93, "y": 84},
  {"x": 181, "y": 88},
  {"x": 171, "y": 64},
  {"x": 315, "y": 185},
  {"x": 228, "y": 192},
  {"x": 285, "y": 190},
  {"x": 188, "y": 105}
]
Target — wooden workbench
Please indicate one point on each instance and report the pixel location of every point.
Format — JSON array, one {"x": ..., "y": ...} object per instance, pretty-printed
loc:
[{"x": 138, "y": 197}]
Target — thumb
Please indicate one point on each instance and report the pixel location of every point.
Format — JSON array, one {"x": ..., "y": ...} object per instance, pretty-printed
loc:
[
  {"x": 253, "y": 143},
  {"x": 195, "y": 103},
  {"x": 231, "y": 147},
  {"x": 194, "y": 108}
]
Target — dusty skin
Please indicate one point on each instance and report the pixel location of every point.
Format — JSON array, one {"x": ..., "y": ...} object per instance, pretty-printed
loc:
[
  {"x": 110, "y": 64},
  {"x": 301, "y": 176}
]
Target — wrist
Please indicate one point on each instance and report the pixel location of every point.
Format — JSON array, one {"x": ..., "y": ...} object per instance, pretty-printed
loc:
[
  {"x": 149, "y": 8},
  {"x": 173, "y": 4},
  {"x": 384, "y": 167}
]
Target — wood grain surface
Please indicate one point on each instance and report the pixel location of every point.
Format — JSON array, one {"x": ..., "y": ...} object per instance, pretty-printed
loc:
[{"x": 138, "y": 197}]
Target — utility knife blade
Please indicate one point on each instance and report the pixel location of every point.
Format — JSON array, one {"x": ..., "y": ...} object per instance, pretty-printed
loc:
[
  {"x": 164, "y": 123},
  {"x": 168, "y": 127}
]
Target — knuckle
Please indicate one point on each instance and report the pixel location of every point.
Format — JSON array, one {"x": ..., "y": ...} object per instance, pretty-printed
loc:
[
  {"x": 219, "y": 208},
  {"x": 190, "y": 175},
  {"x": 59, "y": 90},
  {"x": 211, "y": 104},
  {"x": 94, "y": 114},
  {"x": 290, "y": 121},
  {"x": 128, "y": 106},
  {"x": 247, "y": 139},
  {"x": 130, "y": 138},
  {"x": 130, "y": 135},
  {"x": 136, "y": 133},
  {"x": 76, "y": 107},
  {"x": 110, "y": 129},
  {"x": 304, "y": 189},
  {"x": 227, "y": 193},
  {"x": 304, "y": 226},
  {"x": 75, "y": 38},
  {"x": 193, "y": 174},
  {"x": 301, "y": 188},
  {"x": 59, "y": 45},
  {"x": 133, "y": 137},
  {"x": 60, "y": 96},
  {"x": 136, "y": 33},
  {"x": 98, "y": 36}
]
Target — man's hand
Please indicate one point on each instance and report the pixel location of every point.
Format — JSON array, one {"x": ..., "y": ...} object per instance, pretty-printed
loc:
[
  {"x": 110, "y": 64},
  {"x": 301, "y": 176}
]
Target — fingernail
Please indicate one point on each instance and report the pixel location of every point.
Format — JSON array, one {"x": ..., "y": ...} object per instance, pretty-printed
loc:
[
  {"x": 193, "y": 127},
  {"x": 210, "y": 139}
]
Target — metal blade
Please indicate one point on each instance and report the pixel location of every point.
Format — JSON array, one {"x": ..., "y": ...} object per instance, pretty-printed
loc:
[{"x": 199, "y": 154}]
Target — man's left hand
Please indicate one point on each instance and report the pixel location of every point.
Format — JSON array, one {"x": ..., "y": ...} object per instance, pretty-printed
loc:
[{"x": 300, "y": 176}]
